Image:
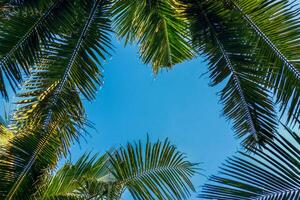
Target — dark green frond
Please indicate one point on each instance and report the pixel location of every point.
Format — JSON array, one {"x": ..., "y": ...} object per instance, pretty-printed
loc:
[
  {"x": 217, "y": 34},
  {"x": 23, "y": 35},
  {"x": 277, "y": 27},
  {"x": 269, "y": 173},
  {"x": 50, "y": 103}
]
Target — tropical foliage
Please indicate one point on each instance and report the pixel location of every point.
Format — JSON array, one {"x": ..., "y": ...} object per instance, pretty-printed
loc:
[
  {"x": 158, "y": 29},
  {"x": 150, "y": 171},
  {"x": 269, "y": 173},
  {"x": 251, "y": 47},
  {"x": 52, "y": 54}
]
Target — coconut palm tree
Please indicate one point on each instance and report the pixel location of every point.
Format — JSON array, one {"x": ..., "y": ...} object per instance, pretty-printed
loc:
[
  {"x": 251, "y": 47},
  {"x": 52, "y": 54},
  {"x": 148, "y": 171},
  {"x": 273, "y": 172},
  {"x": 51, "y": 114}
]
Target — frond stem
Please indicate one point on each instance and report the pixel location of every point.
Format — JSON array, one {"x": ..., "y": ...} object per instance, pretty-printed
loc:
[
  {"x": 238, "y": 87},
  {"x": 71, "y": 62},
  {"x": 149, "y": 172},
  {"x": 168, "y": 42},
  {"x": 28, "y": 33},
  {"x": 267, "y": 40},
  {"x": 29, "y": 164},
  {"x": 236, "y": 80},
  {"x": 46, "y": 135}
]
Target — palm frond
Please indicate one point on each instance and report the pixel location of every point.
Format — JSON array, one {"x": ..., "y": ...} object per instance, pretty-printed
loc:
[
  {"x": 157, "y": 27},
  {"x": 81, "y": 180},
  {"x": 158, "y": 170},
  {"x": 51, "y": 106},
  {"x": 277, "y": 27},
  {"x": 23, "y": 35},
  {"x": 5, "y": 134},
  {"x": 153, "y": 171},
  {"x": 232, "y": 64},
  {"x": 272, "y": 172},
  {"x": 22, "y": 163}
]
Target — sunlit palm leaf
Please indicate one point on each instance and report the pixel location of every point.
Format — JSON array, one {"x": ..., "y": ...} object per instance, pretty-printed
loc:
[
  {"x": 26, "y": 148},
  {"x": 271, "y": 173},
  {"x": 157, "y": 27},
  {"x": 156, "y": 171},
  {"x": 153, "y": 171},
  {"x": 51, "y": 111},
  {"x": 5, "y": 134}
]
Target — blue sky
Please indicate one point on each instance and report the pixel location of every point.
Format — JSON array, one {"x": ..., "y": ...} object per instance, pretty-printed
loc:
[{"x": 177, "y": 104}]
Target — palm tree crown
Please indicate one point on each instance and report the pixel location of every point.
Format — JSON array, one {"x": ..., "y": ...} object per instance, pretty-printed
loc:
[{"x": 52, "y": 53}]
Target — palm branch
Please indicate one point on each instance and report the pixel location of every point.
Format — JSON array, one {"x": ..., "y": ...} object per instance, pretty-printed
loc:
[
  {"x": 155, "y": 171},
  {"x": 82, "y": 180},
  {"x": 157, "y": 27},
  {"x": 150, "y": 171},
  {"x": 272, "y": 172},
  {"x": 24, "y": 33},
  {"x": 217, "y": 35},
  {"x": 51, "y": 114},
  {"x": 277, "y": 27}
]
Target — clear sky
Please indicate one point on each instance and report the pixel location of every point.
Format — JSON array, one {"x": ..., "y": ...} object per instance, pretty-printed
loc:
[{"x": 177, "y": 104}]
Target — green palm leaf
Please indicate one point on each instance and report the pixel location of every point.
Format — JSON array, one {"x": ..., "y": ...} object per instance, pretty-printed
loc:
[
  {"x": 23, "y": 34},
  {"x": 82, "y": 180},
  {"x": 273, "y": 172},
  {"x": 277, "y": 27},
  {"x": 5, "y": 134},
  {"x": 246, "y": 101},
  {"x": 157, "y": 27},
  {"x": 156, "y": 171},
  {"x": 51, "y": 111}
]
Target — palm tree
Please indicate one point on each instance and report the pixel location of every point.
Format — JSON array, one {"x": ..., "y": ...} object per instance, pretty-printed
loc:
[
  {"x": 55, "y": 50},
  {"x": 252, "y": 51},
  {"x": 251, "y": 48},
  {"x": 148, "y": 171},
  {"x": 273, "y": 172}
]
